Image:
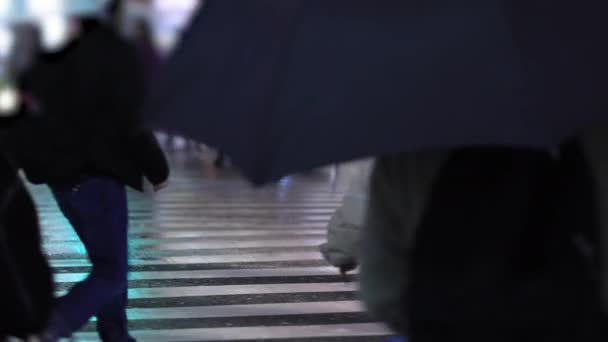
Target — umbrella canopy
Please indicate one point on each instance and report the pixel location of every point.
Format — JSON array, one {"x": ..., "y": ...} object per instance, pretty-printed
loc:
[{"x": 287, "y": 85}]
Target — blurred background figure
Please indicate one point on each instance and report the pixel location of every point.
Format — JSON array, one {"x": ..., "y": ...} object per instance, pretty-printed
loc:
[
  {"x": 220, "y": 159},
  {"x": 8, "y": 69},
  {"x": 150, "y": 55},
  {"x": 155, "y": 27},
  {"x": 25, "y": 48}
]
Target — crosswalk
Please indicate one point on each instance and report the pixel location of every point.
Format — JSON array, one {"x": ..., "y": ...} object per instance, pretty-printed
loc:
[{"x": 216, "y": 260}]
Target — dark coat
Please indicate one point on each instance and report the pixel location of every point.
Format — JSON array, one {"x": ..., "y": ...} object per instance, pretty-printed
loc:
[
  {"x": 497, "y": 255},
  {"x": 484, "y": 244},
  {"x": 85, "y": 117},
  {"x": 26, "y": 289}
]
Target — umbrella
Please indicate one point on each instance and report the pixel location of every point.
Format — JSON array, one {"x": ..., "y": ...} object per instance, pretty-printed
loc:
[{"x": 288, "y": 85}]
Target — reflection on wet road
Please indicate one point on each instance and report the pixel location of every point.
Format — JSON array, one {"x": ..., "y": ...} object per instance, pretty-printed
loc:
[{"x": 213, "y": 259}]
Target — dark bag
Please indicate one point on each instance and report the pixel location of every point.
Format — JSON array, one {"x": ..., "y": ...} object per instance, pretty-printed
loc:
[{"x": 26, "y": 290}]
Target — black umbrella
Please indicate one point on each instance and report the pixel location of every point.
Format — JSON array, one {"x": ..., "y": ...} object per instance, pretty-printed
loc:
[{"x": 287, "y": 85}]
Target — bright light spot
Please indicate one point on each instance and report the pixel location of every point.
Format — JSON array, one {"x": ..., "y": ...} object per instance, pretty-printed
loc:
[
  {"x": 42, "y": 8},
  {"x": 169, "y": 18},
  {"x": 172, "y": 5},
  {"x": 54, "y": 32},
  {"x": 174, "y": 14},
  {"x": 285, "y": 181},
  {"x": 166, "y": 40},
  {"x": 8, "y": 101},
  {"x": 5, "y": 7},
  {"x": 179, "y": 143},
  {"x": 7, "y": 41}
]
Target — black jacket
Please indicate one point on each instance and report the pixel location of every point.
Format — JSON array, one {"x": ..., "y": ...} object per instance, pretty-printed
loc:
[
  {"x": 26, "y": 289},
  {"x": 85, "y": 117},
  {"x": 497, "y": 255}
]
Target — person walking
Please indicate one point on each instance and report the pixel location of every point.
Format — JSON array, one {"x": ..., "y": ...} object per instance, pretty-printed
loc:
[
  {"x": 82, "y": 135},
  {"x": 487, "y": 243}
]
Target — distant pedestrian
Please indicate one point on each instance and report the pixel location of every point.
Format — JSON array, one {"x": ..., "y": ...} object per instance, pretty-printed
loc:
[{"x": 220, "y": 159}]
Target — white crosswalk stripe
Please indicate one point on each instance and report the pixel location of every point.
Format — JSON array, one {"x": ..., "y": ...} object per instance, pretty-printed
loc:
[
  {"x": 241, "y": 273},
  {"x": 249, "y": 310},
  {"x": 257, "y": 333},
  {"x": 216, "y": 260}
]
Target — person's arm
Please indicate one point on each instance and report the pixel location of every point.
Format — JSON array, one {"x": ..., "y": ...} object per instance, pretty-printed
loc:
[
  {"x": 126, "y": 85},
  {"x": 151, "y": 159}
]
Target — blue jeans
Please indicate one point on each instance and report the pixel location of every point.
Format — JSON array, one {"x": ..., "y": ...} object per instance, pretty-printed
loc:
[{"x": 97, "y": 210}]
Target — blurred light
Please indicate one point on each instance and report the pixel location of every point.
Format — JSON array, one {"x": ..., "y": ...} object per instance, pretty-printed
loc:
[
  {"x": 173, "y": 5},
  {"x": 179, "y": 143},
  {"x": 54, "y": 32},
  {"x": 14, "y": 11},
  {"x": 169, "y": 18},
  {"x": 174, "y": 14},
  {"x": 85, "y": 7},
  {"x": 6, "y": 6},
  {"x": 42, "y": 8},
  {"x": 8, "y": 101},
  {"x": 7, "y": 41}
]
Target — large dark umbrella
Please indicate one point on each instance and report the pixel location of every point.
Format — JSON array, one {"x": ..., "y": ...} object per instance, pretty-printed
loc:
[{"x": 286, "y": 85}]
